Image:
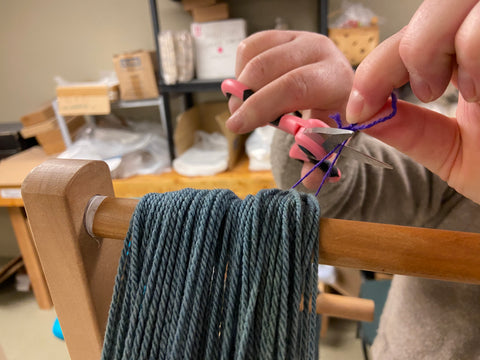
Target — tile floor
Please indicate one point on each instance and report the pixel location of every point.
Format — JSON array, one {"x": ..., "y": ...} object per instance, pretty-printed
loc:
[{"x": 26, "y": 332}]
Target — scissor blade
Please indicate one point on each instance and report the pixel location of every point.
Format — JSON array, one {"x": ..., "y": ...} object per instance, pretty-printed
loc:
[
  {"x": 329, "y": 138},
  {"x": 360, "y": 156},
  {"x": 332, "y": 137},
  {"x": 329, "y": 131}
]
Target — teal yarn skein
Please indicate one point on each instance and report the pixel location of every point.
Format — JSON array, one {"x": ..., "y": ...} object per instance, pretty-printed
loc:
[{"x": 207, "y": 275}]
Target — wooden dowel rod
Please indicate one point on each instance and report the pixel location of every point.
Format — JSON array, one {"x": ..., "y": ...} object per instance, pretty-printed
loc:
[
  {"x": 345, "y": 307},
  {"x": 393, "y": 249},
  {"x": 112, "y": 218}
]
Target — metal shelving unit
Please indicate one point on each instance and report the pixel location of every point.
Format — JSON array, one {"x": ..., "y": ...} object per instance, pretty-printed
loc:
[{"x": 187, "y": 89}]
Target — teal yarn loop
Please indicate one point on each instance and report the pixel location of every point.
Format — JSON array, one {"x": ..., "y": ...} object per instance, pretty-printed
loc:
[{"x": 206, "y": 275}]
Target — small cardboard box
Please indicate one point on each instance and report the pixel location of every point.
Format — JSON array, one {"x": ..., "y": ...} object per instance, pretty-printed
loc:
[
  {"x": 355, "y": 43},
  {"x": 136, "y": 75},
  {"x": 216, "y": 45},
  {"x": 209, "y": 117},
  {"x": 189, "y": 5},
  {"x": 211, "y": 13},
  {"x": 51, "y": 140},
  {"x": 43, "y": 113},
  {"x": 34, "y": 130},
  {"x": 83, "y": 99}
]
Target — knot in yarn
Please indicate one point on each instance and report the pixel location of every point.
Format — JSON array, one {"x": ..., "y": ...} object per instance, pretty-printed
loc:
[{"x": 338, "y": 149}]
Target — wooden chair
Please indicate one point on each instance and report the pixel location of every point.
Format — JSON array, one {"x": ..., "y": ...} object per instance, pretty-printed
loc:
[{"x": 80, "y": 269}]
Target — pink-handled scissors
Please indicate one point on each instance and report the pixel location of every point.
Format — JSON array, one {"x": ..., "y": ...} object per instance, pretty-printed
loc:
[{"x": 314, "y": 139}]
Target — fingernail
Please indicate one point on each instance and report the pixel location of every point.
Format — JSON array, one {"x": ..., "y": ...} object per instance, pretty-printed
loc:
[
  {"x": 355, "y": 106},
  {"x": 421, "y": 88},
  {"x": 467, "y": 86},
  {"x": 234, "y": 123}
]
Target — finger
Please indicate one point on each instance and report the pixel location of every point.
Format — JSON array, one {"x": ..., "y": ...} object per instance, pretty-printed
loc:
[
  {"x": 467, "y": 49},
  {"x": 428, "y": 45},
  {"x": 375, "y": 78},
  {"x": 466, "y": 174},
  {"x": 428, "y": 137},
  {"x": 315, "y": 178},
  {"x": 304, "y": 48},
  {"x": 257, "y": 43},
  {"x": 315, "y": 85}
]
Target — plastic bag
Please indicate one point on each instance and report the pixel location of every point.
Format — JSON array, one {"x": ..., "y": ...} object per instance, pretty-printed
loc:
[
  {"x": 327, "y": 274},
  {"x": 257, "y": 147},
  {"x": 354, "y": 15},
  {"x": 127, "y": 151},
  {"x": 177, "y": 55},
  {"x": 166, "y": 42},
  {"x": 208, "y": 156}
]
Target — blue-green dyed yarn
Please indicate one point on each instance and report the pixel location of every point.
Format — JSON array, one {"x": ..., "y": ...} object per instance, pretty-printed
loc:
[{"x": 206, "y": 275}]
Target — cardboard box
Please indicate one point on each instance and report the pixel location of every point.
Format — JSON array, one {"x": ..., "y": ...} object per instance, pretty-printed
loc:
[
  {"x": 211, "y": 13},
  {"x": 52, "y": 141},
  {"x": 136, "y": 75},
  {"x": 43, "y": 113},
  {"x": 189, "y": 5},
  {"x": 33, "y": 130},
  {"x": 83, "y": 99},
  {"x": 355, "y": 43},
  {"x": 216, "y": 45},
  {"x": 209, "y": 117}
]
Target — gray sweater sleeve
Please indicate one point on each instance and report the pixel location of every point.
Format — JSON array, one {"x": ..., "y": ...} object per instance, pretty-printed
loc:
[{"x": 407, "y": 195}]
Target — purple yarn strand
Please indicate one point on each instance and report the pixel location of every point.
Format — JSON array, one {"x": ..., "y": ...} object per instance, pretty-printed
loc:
[
  {"x": 356, "y": 127},
  {"x": 339, "y": 147},
  {"x": 327, "y": 174}
]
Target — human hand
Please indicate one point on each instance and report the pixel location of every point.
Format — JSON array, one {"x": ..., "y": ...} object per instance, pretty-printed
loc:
[
  {"x": 439, "y": 45},
  {"x": 290, "y": 71}
]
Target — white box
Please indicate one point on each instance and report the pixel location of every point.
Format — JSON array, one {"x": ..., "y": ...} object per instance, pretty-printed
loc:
[{"x": 216, "y": 45}]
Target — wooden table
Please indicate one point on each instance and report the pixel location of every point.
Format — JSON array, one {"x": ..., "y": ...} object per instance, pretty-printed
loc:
[{"x": 14, "y": 169}]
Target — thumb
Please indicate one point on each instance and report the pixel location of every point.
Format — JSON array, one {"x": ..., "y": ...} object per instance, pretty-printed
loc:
[{"x": 428, "y": 137}]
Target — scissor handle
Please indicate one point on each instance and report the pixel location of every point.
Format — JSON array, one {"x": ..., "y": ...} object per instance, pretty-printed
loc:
[
  {"x": 233, "y": 87},
  {"x": 305, "y": 148},
  {"x": 296, "y": 152},
  {"x": 236, "y": 88}
]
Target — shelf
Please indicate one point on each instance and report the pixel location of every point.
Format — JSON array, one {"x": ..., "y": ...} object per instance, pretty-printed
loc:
[
  {"x": 192, "y": 86},
  {"x": 121, "y": 104}
]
